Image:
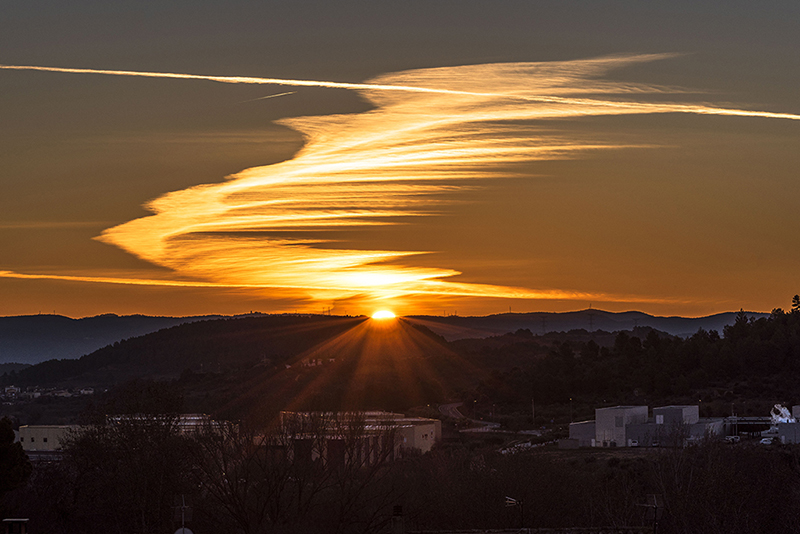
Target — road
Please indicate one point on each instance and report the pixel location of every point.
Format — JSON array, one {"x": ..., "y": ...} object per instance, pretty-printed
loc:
[{"x": 451, "y": 410}]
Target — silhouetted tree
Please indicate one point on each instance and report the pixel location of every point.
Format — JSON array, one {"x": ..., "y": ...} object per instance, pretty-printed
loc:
[
  {"x": 15, "y": 467},
  {"x": 317, "y": 472},
  {"x": 126, "y": 473}
]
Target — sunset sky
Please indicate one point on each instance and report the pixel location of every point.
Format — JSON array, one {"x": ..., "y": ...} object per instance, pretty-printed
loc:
[{"x": 185, "y": 158}]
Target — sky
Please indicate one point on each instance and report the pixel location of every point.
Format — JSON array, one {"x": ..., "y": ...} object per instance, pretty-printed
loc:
[{"x": 429, "y": 157}]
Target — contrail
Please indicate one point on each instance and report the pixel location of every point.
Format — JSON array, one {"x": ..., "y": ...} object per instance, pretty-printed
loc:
[
  {"x": 242, "y": 79},
  {"x": 644, "y": 107},
  {"x": 266, "y": 97}
]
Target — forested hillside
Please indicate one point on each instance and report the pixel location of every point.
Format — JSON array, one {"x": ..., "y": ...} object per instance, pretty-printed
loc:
[
  {"x": 753, "y": 363},
  {"x": 235, "y": 367}
]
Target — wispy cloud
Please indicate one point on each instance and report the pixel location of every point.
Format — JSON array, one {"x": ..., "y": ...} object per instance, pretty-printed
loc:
[{"x": 432, "y": 131}]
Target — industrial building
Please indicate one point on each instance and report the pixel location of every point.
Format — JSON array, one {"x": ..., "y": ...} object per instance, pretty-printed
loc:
[
  {"x": 354, "y": 438},
  {"x": 185, "y": 424},
  {"x": 50, "y": 438},
  {"x": 788, "y": 431},
  {"x": 584, "y": 433},
  {"x": 611, "y": 424},
  {"x": 630, "y": 426},
  {"x": 43, "y": 437}
]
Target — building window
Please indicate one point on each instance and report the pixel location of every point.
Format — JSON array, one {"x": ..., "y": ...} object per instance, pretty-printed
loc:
[
  {"x": 33, "y": 439},
  {"x": 44, "y": 439},
  {"x": 659, "y": 419}
]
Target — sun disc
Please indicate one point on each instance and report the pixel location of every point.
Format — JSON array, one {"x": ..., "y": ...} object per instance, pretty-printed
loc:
[{"x": 383, "y": 314}]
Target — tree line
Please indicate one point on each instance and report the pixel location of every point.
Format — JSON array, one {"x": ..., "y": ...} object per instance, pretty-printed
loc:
[
  {"x": 753, "y": 359},
  {"x": 127, "y": 478}
]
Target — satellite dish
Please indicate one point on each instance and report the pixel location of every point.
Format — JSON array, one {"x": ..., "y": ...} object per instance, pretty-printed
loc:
[{"x": 183, "y": 530}]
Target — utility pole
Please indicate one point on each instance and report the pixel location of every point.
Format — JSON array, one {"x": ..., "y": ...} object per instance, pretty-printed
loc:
[{"x": 183, "y": 513}]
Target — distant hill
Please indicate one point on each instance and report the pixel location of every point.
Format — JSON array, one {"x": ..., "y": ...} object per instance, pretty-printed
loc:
[
  {"x": 255, "y": 366},
  {"x": 238, "y": 366},
  {"x": 36, "y": 338},
  {"x": 8, "y": 367},
  {"x": 453, "y": 327}
]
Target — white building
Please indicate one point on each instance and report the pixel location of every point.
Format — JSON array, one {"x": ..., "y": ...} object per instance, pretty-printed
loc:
[
  {"x": 611, "y": 424},
  {"x": 43, "y": 437},
  {"x": 584, "y": 433},
  {"x": 408, "y": 433},
  {"x": 626, "y": 426},
  {"x": 676, "y": 414}
]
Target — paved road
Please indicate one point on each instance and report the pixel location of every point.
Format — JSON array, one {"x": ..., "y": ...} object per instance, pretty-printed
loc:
[{"x": 451, "y": 410}]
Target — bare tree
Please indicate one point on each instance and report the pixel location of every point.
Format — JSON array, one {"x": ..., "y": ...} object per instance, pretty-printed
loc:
[
  {"x": 126, "y": 472},
  {"x": 310, "y": 466}
]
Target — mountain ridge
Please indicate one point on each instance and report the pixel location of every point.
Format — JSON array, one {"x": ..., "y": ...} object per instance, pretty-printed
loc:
[
  {"x": 457, "y": 327},
  {"x": 31, "y": 339},
  {"x": 37, "y": 338}
]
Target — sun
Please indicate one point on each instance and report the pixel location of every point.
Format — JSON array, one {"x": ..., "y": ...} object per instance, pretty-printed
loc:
[{"x": 383, "y": 314}]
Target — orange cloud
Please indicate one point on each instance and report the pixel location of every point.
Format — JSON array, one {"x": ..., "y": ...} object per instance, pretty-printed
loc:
[{"x": 432, "y": 131}]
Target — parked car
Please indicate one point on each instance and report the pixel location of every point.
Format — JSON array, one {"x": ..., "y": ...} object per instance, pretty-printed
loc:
[
  {"x": 732, "y": 439},
  {"x": 766, "y": 441}
]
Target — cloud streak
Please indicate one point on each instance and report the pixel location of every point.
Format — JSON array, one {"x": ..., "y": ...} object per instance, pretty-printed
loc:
[
  {"x": 268, "y": 97},
  {"x": 431, "y": 132},
  {"x": 250, "y": 80}
]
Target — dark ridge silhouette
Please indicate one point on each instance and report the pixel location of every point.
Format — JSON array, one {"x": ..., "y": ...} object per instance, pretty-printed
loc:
[
  {"x": 455, "y": 327},
  {"x": 255, "y": 366},
  {"x": 37, "y": 338},
  {"x": 203, "y": 346}
]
